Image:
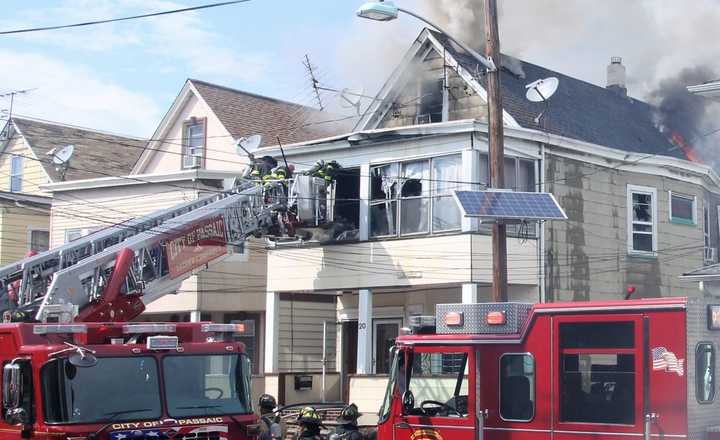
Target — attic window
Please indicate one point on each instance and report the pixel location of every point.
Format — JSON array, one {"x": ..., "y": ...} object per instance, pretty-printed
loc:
[
  {"x": 194, "y": 138},
  {"x": 430, "y": 108},
  {"x": 16, "y": 173}
]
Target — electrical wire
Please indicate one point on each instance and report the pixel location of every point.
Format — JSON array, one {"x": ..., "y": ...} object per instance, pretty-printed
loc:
[{"x": 132, "y": 17}]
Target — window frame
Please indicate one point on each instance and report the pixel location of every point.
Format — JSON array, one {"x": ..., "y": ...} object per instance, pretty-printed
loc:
[
  {"x": 714, "y": 373},
  {"x": 533, "y": 388},
  {"x": 680, "y": 220},
  {"x": 397, "y": 200},
  {"x": 708, "y": 250},
  {"x": 16, "y": 174},
  {"x": 186, "y": 141},
  {"x": 639, "y": 356},
  {"x": 30, "y": 230},
  {"x": 652, "y": 192}
]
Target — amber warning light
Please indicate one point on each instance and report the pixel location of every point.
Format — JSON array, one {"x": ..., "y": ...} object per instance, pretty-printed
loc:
[
  {"x": 454, "y": 319},
  {"x": 496, "y": 318},
  {"x": 714, "y": 316}
]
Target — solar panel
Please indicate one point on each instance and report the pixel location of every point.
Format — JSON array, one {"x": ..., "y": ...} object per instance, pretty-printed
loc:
[{"x": 509, "y": 205}]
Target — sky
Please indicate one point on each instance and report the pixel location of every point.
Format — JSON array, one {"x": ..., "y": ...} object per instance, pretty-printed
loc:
[{"x": 122, "y": 77}]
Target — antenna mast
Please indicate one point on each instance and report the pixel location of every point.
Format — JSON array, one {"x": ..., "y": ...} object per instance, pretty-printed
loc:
[{"x": 311, "y": 72}]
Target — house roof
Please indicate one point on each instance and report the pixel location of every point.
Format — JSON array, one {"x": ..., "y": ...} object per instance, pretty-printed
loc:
[
  {"x": 579, "y": 110},
  {"x": 704, "y": 273},
  {"x": 244, "y": 114},
  {"x": 96, "y": 153},
  {"x": 29, "y": 199}
]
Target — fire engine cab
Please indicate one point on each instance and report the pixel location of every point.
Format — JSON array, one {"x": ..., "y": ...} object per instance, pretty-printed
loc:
[{"x": 566, "y": 371}]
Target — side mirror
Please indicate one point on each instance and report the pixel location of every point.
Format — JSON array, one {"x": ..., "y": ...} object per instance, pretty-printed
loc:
[
  {"x": 408, "y": 401},
  {"x": 12, "y": 386}
]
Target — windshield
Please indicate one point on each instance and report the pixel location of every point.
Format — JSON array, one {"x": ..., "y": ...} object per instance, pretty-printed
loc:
[
  {"x": 395, "y": 365},
  {"x": 207, "y": 385},
  {"x": 116, "y": 389}
]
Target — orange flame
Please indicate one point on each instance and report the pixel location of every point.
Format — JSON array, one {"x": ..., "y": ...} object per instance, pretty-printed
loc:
[{"x": 686, "y": 148}]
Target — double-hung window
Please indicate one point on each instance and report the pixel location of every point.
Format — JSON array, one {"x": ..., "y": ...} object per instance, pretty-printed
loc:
[
  {"x": 682, "y": 209},
  {"x": 16, "y": 173},
  {"x": 709, "y": 254},
  {"x": 705, "y": 372},
  {"x": 642, "y": 220},
  {"x": 415, "y": 197},
  {"x": 194, "y": 143}
]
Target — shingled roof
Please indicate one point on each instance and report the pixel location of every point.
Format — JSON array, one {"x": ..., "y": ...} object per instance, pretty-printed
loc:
[
  {"x": 578, "y": 110},
  {"x": 244, "y": 114},
  {"x": 96, "y": 154}
]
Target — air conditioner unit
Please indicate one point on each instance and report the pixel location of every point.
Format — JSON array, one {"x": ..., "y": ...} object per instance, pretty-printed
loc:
[
  {"x": 192, "y": 161},
  {"x": 710, "y": 255},
  {"x": 423, "y": 119}
]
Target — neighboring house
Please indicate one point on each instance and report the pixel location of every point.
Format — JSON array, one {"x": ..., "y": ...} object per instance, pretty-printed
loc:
[
  {"x": 26, "y": 163},
  {"x": 191, "y": 154},
  {"x": 640, "y": 214}
]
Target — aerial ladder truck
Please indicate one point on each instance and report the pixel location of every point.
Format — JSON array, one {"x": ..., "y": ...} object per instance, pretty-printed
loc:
[{"x": 75, "y": 366}]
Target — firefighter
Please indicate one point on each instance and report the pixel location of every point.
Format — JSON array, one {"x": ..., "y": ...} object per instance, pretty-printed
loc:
[
  {"x": 270, "y": 428},
  {"x": 262, "y": 167},
  {"x": 347, "y": 428},
  {"x": 325, "y": 170},
  {"x": 310, "y": 424}
]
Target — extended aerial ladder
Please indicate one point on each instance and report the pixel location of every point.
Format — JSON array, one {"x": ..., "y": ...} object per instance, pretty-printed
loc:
[{"x": 109, "y": 275}]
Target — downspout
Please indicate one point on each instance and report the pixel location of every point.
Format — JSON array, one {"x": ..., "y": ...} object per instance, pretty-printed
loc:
[{"x": 541, "y": 238}]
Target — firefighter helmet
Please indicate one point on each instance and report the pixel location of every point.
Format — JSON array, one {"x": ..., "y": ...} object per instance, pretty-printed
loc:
[
  {"x": 349, "y": 415},
  {"x": 309, "y": 416},
  {"x": 267, "y": 402}
]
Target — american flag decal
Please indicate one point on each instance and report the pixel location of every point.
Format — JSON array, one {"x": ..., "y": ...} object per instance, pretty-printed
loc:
[
  {"x": 664, "y": 360},
  {"x": 179, "y": 432}
]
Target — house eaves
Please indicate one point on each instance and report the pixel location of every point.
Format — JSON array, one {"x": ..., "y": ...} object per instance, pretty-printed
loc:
[
  {"x": 710, "y": 89},
  {"x": 140, "y": 179},
  {"x": 26, "y": 199}
]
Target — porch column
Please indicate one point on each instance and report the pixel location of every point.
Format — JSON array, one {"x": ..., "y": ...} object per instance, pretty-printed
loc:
[
  {"x": 364, "y": 201},
  {"x": 272, "y": 331},
  {"x": 470, "y": 293},
  {"x": 470, "y": 173},
  {"x": 195, "y": 316},
  {"x": 365, "y": 345}
]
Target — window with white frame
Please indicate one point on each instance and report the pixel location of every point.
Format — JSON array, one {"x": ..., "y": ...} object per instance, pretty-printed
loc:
[
  {"x": 642, "y": 219},
  {"x": 194, "y": 143},
  {"x": 39, "y": 240},
  {"x": 16, "y": 173},
  {"x": 709, "y": 251},
  {"x": 415, "y": 197},
  {"x": 682, "y": 209},
  {"x": 75, "y": 233}
]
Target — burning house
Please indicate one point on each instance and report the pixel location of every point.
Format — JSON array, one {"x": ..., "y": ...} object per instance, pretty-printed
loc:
[{"x": 642, "y": 209}]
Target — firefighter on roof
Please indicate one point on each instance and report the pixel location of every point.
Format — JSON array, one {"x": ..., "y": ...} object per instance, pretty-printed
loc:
[
  {"x": 325, "y": 170},
  {"x": 347, "y": 428}
]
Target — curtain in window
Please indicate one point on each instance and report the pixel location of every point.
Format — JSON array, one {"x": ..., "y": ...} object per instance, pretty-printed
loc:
[{"x": 447, "y": 173}]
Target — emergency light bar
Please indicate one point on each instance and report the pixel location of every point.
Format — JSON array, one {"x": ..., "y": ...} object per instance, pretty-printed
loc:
[
  {"x": 422, "y": 324},
  {"x": 224, "y": 328},
  {"x": 162, "y": 342},
  {"x": 45, "y": 329},
  {"x": 131, "y": 329}
]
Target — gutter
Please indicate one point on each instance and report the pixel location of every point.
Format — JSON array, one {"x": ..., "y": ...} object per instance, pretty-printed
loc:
[
  {"x": 33, "y": 208},
  {"x": 139, "y": 179}
]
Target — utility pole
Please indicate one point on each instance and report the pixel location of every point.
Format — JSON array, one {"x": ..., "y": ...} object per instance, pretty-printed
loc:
[{"x": 496, "y": 149}]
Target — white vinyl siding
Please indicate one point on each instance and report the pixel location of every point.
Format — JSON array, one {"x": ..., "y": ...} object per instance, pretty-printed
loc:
[{"x": 642, "y": 220}]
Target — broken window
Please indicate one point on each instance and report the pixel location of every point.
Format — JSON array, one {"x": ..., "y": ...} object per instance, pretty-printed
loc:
[
  {"x": 414, "y": 197},
  {"x": 642, "y": 226},
  {"x": 383, "y": 204},
  {"x": 430, "y": 107}
]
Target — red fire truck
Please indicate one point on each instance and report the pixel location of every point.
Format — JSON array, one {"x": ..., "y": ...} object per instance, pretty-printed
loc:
[
  {"x": 74, "y": 367},
  {"x": 565, "y": 371}
]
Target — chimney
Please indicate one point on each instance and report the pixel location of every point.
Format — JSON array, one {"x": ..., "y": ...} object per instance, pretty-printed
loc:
[{"x": 616, "y": 76}]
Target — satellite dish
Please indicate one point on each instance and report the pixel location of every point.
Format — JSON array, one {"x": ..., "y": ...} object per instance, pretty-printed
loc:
[
  {"x": 542, "y": 89},
  {"x": 83, "y": 360},
  {"x": 62, "y": 156},
  {"x": 246, "y": 145}
]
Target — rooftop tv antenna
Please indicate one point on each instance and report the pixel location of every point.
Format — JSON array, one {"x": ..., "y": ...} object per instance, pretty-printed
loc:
[
  {"x": 540, "y": 91},
  {"x": 352, "y": 99},
  {"x": 61, "y": 159}
]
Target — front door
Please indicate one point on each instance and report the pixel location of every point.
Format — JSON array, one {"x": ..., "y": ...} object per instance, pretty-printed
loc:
[
  {"x": 438, "y": 404},
  {"x": 385, "y": 332}
]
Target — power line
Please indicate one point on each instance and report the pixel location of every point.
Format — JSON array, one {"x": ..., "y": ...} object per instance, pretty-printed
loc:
[{"x": 112, "y": 20}]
